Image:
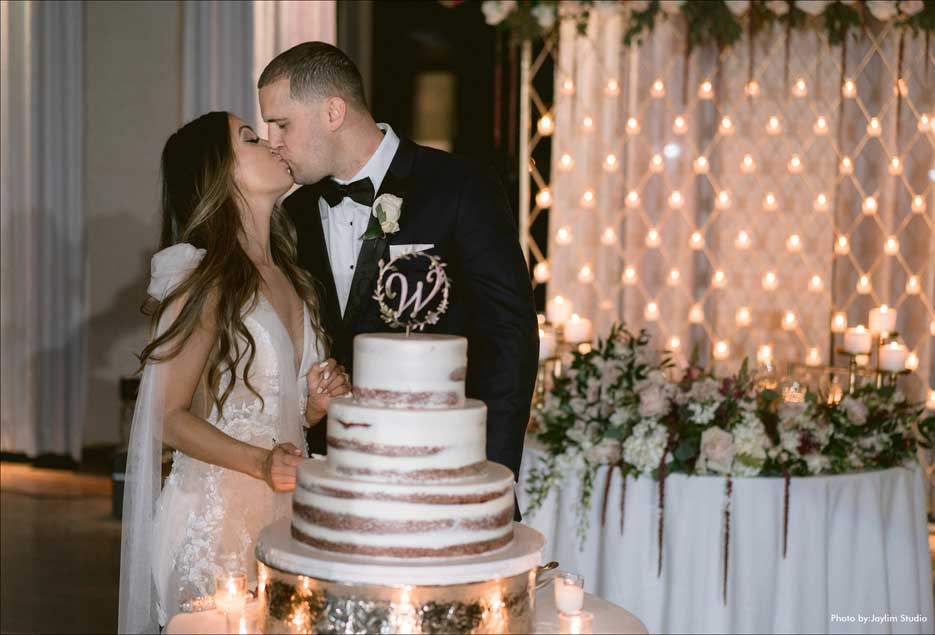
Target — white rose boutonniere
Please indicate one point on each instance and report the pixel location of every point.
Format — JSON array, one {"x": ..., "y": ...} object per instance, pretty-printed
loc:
[{"x": 386, "y": 210}]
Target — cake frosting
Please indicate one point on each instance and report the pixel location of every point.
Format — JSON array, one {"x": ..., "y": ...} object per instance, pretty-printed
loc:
[{"x": 406, "y": 474}]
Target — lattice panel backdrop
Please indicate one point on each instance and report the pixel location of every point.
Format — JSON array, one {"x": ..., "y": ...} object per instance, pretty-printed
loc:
[{"x": 746, "y": 202}]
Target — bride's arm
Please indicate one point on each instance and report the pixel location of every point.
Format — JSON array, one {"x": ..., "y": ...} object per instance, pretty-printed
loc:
[{"x": 197, "y": 438}]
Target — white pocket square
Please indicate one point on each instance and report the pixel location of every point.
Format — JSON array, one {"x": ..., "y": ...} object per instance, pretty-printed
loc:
[{"x": 399, "y": 250}]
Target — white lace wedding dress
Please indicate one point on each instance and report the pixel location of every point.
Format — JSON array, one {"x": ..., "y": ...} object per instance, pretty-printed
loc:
[{"x": 205, "y": 516}]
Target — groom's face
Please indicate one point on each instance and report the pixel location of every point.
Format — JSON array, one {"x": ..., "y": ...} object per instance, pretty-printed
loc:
[{"x": 296, "y": 132}]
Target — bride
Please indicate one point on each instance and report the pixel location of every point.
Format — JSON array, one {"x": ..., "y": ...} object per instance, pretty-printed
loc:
[{"x": 232, "y": 371}]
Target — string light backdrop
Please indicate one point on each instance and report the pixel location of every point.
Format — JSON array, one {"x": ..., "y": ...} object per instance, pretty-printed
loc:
[{"x": 752, "y": 201}]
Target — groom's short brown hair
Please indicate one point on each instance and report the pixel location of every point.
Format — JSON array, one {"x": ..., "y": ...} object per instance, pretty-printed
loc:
[{"x": 316, "y": 69}]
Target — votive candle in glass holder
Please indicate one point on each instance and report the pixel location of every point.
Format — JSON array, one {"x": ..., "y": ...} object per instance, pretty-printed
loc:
[
  {"x": 573, "y": 623},
  {"x": 230, "y": 594},
  {"x": 893, "y": 358},
  {"x": 569, "y": 592},
  {"x": 857, "y": 340}
]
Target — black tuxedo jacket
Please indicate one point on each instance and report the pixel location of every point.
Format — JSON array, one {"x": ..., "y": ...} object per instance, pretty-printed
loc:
[{"x": 463, "y": 211}]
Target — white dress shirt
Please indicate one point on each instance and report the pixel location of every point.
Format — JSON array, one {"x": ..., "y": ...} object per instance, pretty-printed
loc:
[{"x": 345, "y": 223}]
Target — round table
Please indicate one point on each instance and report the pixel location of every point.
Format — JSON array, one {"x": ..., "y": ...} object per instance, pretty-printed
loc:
[
  {"x": 856, "y": 550},
  {"x": 608, "y": 618}
]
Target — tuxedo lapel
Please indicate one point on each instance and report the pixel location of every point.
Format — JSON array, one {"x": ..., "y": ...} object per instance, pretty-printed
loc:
[
  {"x": 316, "y": 260},
  {"x": 395, "y": 182}
]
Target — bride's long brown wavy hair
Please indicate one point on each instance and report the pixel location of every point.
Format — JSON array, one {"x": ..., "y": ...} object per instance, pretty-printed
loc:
[{"x": 201, "y": 205}]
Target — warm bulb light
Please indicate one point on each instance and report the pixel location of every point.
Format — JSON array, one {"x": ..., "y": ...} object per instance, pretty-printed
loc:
[
  {"x": 653, "y": 239},
  {"x": 743, "y": 317},
  {"x": 611, "y": 163},
  {"x": 912, "y": 361},
  {"x": 676, "y": 200},
  {"x": 587, "y": 198},
  {"x": 696, "y": 314},
  {"x": 727, "y": 126},
  {"x": 542, "y": 272},
  {"x": 609, "y": 236},
  {"x": 706, "y": 90},
  {"x": 673, "y": 279},
  {"x": 651, "y": 312},
  {"x": 863, "y": 285},
  {"x": 815, "y": 284},
  {"x": 633, "y": 199},
  {"x": 873, "y": 127},
  {"x": 869, "y": 206},
  {"x": 912, "y": 285},
  {"x": 613, "y": 87},
  {"x": 586, "y": 274},
  {"x": 799, "y": 89},
  {"x": 770, "y": 281},
  {"x": 764, "y": 354},
  {"x": 794, "y": 243},
  {"x": 723, "y": 200},
  {"x": 566, "y": 163},
  {"x": 748, "y": 165},
  {"x": 587, "y": 124},
  {"x": 847, "y": 166},
  {"x": 821, "y": 126},
  {"x": 629, "y": 277},
  {"x": 841, "y": 246},
  {"x": 563, "y": 235},
  {"x": 568, "y": 87},
  {"x": 721, "y": 350},
  {"x": 896, "y": 166},
  {"x": 658, "y": 89},
  {"x": 546, "y": 125},
  {"x": 679, "y": 126},
  {"x": 849, "y": 89},
  {"x": 696, "y": 241},
  {"x": 656, "y": 164},
  {"x": 742, "y": 241},
  {"x": 891, "y": 246},
  {"x": 918, "y": 203},
  {"x": 789, "y": 321},
  {"x": 752, "y": 89},
  {"x": 773, "y": 126},
  {"x": 701, "y": 165},
  {"x": 769, "y": 202},
  {"x": 813, "y": 358},
  {"x": 674, "y": 343},
  {"x": 544, "y": 198},
  {"x": 719, "y": 280},
  {"x": 633, "y": 126},
  {"x": 839, "y": 323},
  {"x": 821, "y": 203},
  {"x": 925, "y": 123},
  {"x": 795, "y": 164}
]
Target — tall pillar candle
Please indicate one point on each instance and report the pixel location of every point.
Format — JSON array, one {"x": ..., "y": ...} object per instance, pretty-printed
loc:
[{"x": 857, "y": 340}]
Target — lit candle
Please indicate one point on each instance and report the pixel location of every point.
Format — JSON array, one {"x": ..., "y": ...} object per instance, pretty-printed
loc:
[
  {"x": 547, "y": 344},
  {"x": 706, "y": 90},
  {"x": 869, "y": 206},
  {"x": 891, "y": 246},
  {"x": 918, "y": 204},
  {"x": 719, "y": 279},
  {"x": 896, "y": 166},
  {"x": 813, "y": 358},
  {"x": 542, "y": 272},
  {"x": 893, "y": 358},
  {"x": 799, "y": 89},
  {"x": 653, "y": 239},
  {"x": 629, "y": 277},
  {"x": 857, "y": 340},
  {"x": 742, "y": 317},
  {"x": 862, "y": 360},
  {"x": 609, "y": 236},
  {"x": 587, "y": 198},
  {"x": 675, "y": 343},
  {"x": 815, "y": 284},
  {"x": 586, "y": 274},
  {"x": 821, "y": 203},
  {"x": 701, "y": 165},
  {"x": 773, "y": 126},
  {"x": 925, "y": 123},
  {"x": 230, "y": 595},
  {"x": 849, "y": 89},
  {"x": 847, "y": 166},
  {"x": 727, "y": 126},
  {"x": 770, "y": 203},
  {"x": 821, "y": 126},
  {"x": 579, "y": 622},
  {"x": 752, "y": 89},
  {"x": 912, "y": 361},
  {"x": 558, "y": 310},
  {"x": 912, "y": 285},
  {"x": 789, "y": 321},
  {"x": 723, "y": 200},
  {"x": 742, "y": 242},
  {"x": 770, "y": 281},
  {"x": 673, "y": 279},
  {"x": 563, "y": 235},
  {"x": 578, "y": 329},
  {"x": 587, "y": 124},
  {"x": 697, "y": 241},
  {"x": 795, "y": 165},
  {"x": 863, "y": 285},
  {"x": 748, "y": 165},
  {"x": 764, "y": 354},
  {"x": 676, "y": 200},
  {"x": 566, "y": 163},
  {"x": 613, "y": 87},
  {"x": 633, "y": 126},
  {"x": 656, "y": 164},
  {"x": 679, "y": 126},
  {"x": 544, "y": 198},
  {"x": 546, "y": 125},
  {"x": 696, "y": 314},
  {"x": 839, "y": 323},
  {"x": 873, "y": 127},
  {"x": 721, "y": 350},
  {"x": 633, "y": 198},
  {"x": 658, "y": 89},
  {"x": 794, "y": 243},
  {"x": 568, "y": 86},
  {"x": 841, "y": 246},
  {"x": 569, "y": 592},
  {"x": 651, "y": 312},
  {"x": 610, "y": 163},
  {"x": 930, "y": 402}
]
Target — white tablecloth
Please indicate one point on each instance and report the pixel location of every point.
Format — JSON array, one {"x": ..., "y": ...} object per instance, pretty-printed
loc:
[
  {"x": 608, "y": 618},
  {"x": 857, "y": 548}
]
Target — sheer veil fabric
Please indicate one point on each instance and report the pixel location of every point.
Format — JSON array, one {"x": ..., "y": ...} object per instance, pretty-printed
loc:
[{"x": 178, "y": 537}]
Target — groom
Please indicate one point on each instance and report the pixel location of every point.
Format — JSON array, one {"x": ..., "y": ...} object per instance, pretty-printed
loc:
[{"x": 319, "y": 123}]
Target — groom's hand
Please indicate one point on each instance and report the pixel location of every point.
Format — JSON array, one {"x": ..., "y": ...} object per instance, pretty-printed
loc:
[{"x": 280, "y": 467}]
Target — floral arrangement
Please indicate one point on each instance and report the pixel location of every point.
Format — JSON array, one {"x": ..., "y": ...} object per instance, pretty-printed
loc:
[
  {"x": 621, "y": 405},
  {"x": 716, "y": 21}
]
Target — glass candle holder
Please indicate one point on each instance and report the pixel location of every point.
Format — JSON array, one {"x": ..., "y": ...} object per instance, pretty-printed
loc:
[
  {"x": 569, "y": 592},
  {"x": 579, "y": 622},
  {"x": 230, "y": 594}
]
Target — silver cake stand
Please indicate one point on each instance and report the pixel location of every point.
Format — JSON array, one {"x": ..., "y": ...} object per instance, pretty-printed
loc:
[{"x": 307, "y": 590}]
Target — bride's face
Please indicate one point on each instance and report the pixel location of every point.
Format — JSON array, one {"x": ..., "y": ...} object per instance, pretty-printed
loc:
[{"x": 259, "y": 171}]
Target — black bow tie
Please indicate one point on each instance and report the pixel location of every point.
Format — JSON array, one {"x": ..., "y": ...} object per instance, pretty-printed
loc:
[{"x": 359, "y": 191}]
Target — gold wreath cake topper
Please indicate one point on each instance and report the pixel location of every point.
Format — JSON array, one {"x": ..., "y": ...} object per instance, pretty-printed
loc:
[{"x": 392, "y": 284}]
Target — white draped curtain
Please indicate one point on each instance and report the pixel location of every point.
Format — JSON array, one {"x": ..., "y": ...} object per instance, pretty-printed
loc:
[
  {"x": 648, "y": 228},
  {"x": 227, "y": 43},
  {"x": 44, "y": 289}
]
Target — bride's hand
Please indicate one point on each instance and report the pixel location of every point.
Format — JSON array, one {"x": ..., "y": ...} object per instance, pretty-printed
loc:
[
  {"x": 279, "y": 469},
  {"x": 326, "y": 380}
]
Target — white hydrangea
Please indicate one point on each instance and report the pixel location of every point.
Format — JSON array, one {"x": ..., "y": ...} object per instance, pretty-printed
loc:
[
  {"x": 706, "y": 390},
  {"x": 644, "y": 448},
  {"x": 607, "y": 452},
  {"x": 855, "y": 410},
  {"x": 817, "y": 463},
  {"x": 702, "y": 414}
]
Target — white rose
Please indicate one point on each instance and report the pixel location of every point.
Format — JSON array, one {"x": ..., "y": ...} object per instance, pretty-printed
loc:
[
  {"x": 779, "y": 7},
  {"x": 387, "y": 207},
  {"x": 717, "y": 450},
  {"x": 855, "y": 410},
  {"x": 911, "y": 7},
  {"x": 738, "y": 7},
  {"x": 671, "y": 6},
  {"x": 544, "y": 15},
  {"x": 606, "y": 452},
  {"x": 495, "y": 12},
  {"x": 653, "y": 401},
  {"x": 882, "y": 9},
  {"x": 812, "y": 7},
  {"x": 389, "y": 227}
]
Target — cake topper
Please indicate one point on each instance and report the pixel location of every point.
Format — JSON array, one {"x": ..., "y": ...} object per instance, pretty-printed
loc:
[{"x": 389, "y": 276}]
